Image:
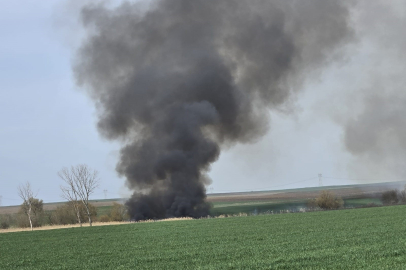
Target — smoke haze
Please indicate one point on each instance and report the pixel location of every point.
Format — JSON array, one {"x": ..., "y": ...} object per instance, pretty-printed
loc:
[
  {"x": 176, "y": 81},
  {"x": 373, "y": 121}
]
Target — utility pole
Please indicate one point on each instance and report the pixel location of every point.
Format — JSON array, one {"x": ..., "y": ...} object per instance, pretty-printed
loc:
[
  {"x": 105, "y": 193},
  {"x": 320, "y": 180},
  {"x": 1, "y": 197}
]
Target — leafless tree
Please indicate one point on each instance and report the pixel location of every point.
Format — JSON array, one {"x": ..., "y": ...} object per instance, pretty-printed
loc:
[
  {"x": 82, "y": 182},
  {"x": 69, "y": 192},
  {"x": 27, "y": 195}
]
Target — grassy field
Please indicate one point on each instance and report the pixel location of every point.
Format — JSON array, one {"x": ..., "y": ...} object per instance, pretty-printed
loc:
[
  {"x": 258, "y": 207},
  {"x": 369, "y": 238},
  {"x": 255, "y": 207}
]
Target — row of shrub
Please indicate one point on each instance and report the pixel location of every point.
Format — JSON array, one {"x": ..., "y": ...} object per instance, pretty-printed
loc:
[
  {"x": 118, "y": 212},
  {"x": 62, "y": 215},
  {"x": 393, "y": 196},
  {"x": 327, "y": 201}
]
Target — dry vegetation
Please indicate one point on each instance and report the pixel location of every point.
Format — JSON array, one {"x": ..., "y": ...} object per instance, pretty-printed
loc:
[
  {"x": 326, "y": 201},
  {"x": 68, "y": 226},
  {"x": 53, "y": 227},
  {"x": 52, "y": 206}
]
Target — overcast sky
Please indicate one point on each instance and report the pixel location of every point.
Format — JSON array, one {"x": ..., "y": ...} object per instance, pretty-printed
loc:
[{"x": 336, "y": 127}]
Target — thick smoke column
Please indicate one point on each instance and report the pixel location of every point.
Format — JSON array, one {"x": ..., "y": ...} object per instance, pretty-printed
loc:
[{"x": 174, "y": 80}]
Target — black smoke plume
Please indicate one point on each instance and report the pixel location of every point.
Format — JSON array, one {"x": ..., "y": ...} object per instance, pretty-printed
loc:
[{"x": 176, "y": 80}]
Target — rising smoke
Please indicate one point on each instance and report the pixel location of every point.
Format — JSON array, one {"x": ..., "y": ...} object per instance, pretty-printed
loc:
[
  {"x": 176, "y": 80},
  {"x": 374, "y": 123}
]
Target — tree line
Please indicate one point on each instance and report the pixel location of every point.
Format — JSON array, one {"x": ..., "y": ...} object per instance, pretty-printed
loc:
[{"x": 79, "y": 183}]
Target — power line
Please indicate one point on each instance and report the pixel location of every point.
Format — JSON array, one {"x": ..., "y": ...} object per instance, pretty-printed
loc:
[
  {"x": 45, "y": 201},
  {"x": 11, "y": 199},
  {"x": 363, "y": 179},
  {"x": 269, "y": 188},
  {"x": 105, "y": 192},
  {"x": 305, "y": 180}
]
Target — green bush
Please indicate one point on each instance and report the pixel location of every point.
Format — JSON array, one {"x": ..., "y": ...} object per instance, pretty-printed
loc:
[
  {"x": 65, "y": 214},
  {"x": 37, "y": 213},
  {"x": 328, "y": 201},
  {"x": 390, "y": 197},
  {"x": 83, "y": 214},
  {"x": 22, "y": 221},
  {"x": 5, "y": 221},
  {"x": 311, "y": 204},
  {"x": 104, "y": 218},
  {"x": 118, "y": 212}
]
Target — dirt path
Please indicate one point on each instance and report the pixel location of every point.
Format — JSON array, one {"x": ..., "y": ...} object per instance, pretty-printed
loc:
[{"x": 54, "y": 227}]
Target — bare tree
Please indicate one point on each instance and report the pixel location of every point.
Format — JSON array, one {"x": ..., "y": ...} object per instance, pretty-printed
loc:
[
  {"x": 82, "y": 181},
  {"x": 69, "y": 192},
  {"x": 26, "y": 194}
]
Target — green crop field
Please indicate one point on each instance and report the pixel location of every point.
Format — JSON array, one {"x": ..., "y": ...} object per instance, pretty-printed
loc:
[
  {"x": 275, "y": 206},
  {"x": 250, "y": 207},
  {"x": 369, "y": 238}
]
